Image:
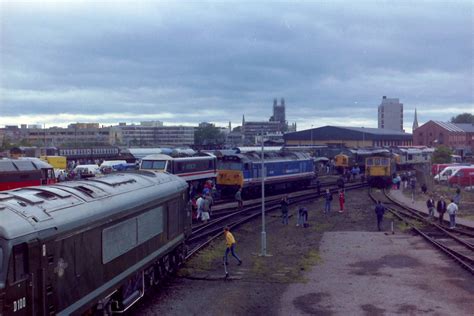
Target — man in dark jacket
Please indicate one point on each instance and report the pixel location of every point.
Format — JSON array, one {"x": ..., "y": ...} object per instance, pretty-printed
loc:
[
  {"x": 284, "y": 210},
  {"x": 441, "y": 208},
  {"x": 430, "y": 204},
  {"x": 340, "y": 182},
  {"x": 379, "y": 210}
]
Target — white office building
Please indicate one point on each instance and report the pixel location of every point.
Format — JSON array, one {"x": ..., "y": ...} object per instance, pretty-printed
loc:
[{"x": 390, "y": 114}]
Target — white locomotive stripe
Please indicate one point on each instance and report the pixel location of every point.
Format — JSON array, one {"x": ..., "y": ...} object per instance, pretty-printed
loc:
[{"x": 253, "y": 180}]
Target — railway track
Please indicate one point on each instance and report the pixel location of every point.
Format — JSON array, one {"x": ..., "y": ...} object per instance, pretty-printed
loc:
[
  {"x": 203, "y": 234},
  {"x": 323, "y": 186},
  {"x": 457, "y": 243}
]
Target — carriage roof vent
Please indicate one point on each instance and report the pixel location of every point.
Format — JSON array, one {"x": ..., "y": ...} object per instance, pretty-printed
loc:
[
  {"x": 114, "y": 182},
  {"x": 85, "y": 190}
]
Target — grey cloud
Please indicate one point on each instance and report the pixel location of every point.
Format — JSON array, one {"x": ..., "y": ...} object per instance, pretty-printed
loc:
[{"x": 150, "y": 58}]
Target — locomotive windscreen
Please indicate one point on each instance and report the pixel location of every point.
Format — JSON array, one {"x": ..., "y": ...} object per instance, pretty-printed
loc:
[{"x": 153, "y": 164}]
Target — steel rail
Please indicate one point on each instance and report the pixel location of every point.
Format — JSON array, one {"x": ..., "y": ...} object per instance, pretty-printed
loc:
[{"x": 465, "y": 261}]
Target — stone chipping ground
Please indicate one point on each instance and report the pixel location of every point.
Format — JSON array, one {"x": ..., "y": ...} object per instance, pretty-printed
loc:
[{"x": 339, "y": 265}]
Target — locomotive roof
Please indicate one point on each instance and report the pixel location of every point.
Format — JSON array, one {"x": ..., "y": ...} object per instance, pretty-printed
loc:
[
  {"x": 24, "y": 164},
  {"x": 256, "y": 156},
  {"x": 202, "y": 156},
  {"x": 63, "y": 206}
]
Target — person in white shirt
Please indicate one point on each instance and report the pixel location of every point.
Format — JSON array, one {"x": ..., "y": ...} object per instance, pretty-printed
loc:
[
  {"x": 200, "y": 206},
  {"x": 452, "y": 209}
]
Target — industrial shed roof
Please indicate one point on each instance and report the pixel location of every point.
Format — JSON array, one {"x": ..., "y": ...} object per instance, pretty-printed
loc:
[
  {"x": 347, "y": 133},
  {"x": 468, "y": 128},
  {"x": 449, "y": 126}
]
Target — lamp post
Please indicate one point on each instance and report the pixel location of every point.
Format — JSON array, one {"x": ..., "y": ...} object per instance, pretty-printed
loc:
[
  {"x": 312, "y": 134},
  {"x": 264, "y": 234}
]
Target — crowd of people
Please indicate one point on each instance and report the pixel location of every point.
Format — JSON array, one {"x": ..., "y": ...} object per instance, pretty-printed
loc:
[
  {"x": 439, "y": 202},
  {"x": 201, "y": 203}
]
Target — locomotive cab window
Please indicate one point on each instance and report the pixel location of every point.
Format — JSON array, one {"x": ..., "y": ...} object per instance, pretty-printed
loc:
[
  {"x": 20, "y": 263},
  {"x": 154, "y": 164}
]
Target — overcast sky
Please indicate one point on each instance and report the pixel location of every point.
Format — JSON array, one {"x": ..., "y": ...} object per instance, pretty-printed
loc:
[{"x": 194, "y": 61}]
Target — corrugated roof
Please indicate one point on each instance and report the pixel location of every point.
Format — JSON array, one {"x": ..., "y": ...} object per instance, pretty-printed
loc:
[
  {"x": 468, "y": 128},
  {"x": 375, "y": 131},
  {"x": 448, "y": 126},
  {"x": 347, "y": 133}
]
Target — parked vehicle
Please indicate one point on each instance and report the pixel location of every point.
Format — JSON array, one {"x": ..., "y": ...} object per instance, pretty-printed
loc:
[
  {"x": 114, "y": 165},
  {"x": 87, "y": 171},
  {"x": 448, "y": 172},
  {"x": 438, "y": 167},
  {"x": 462, "y": 177}
]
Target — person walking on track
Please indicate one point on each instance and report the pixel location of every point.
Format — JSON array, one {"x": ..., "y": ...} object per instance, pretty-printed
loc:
[
  {"x": 452, "y": 210},
  {"x": 230, "y": 243},
  {"x": 238, "y": 198},
  {"x": 379, "y": 210},
  {"x": 441, "y": 208},
  {"x": 342, "y": 200},
  {"x": 430, "y": 204}
]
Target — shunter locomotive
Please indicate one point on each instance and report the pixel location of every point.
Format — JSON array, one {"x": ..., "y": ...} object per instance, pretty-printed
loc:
[{"x": 90, "y": 246}]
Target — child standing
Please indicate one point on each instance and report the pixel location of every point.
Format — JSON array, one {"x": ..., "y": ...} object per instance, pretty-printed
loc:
[{"x": 341, "y": 201}]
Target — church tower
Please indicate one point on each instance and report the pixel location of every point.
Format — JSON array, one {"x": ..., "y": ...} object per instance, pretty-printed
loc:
[{"x": 415, "y": 122}]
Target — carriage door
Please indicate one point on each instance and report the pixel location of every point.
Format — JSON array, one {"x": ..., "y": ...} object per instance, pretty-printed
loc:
[{"x": 19, "y": 293}]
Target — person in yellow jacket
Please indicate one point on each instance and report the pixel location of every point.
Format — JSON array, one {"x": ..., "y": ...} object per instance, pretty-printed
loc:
[{"x": 230, "y": 242}]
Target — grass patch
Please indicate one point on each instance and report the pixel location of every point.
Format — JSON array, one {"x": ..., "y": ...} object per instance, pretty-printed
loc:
[
  {"x": 321, "y": 227},
  {"x": 403, "y": 227},
  {"x": 310, "y": 259},
  {"x": 205, "y": 258},
  {"x": 389, "y": 216},
  {"x": 258, "y": 266},
  {"x": 469, "y": 217}
]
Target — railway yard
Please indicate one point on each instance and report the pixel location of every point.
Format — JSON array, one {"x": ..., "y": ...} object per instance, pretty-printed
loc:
[
  {"x": 338, "y": 265},
  {"x": 154, "y": 249}
]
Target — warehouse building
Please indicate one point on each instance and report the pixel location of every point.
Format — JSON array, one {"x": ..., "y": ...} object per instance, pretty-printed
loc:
[
  {"x": 458, "y": 137},
  {"x": 348, "y": 137}
]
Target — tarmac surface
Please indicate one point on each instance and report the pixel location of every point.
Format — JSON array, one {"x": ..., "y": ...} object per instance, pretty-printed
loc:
[{"x": 373, "y": 273}]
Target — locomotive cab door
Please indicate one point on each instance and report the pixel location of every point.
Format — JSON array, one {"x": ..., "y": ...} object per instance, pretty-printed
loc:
[{"x": 19, "y": 298}]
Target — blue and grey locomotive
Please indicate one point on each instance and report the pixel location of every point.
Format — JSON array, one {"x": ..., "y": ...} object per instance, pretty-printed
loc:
[
  {"x": 82, "y": 246},
  {"x": 284, "y": 169}
]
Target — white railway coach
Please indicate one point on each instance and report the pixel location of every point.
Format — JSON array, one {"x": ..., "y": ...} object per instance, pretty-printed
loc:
[{"x": 198, "y": 167}]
